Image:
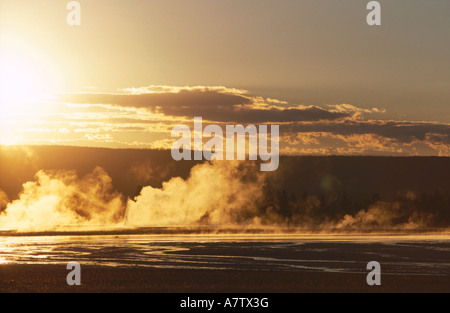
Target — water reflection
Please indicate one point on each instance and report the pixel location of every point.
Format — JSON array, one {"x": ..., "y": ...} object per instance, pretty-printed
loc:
[{"x": 397, "y": 254}]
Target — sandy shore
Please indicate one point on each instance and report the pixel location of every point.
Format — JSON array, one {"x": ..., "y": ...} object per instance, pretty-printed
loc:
[{"x": 52, "y": 278}]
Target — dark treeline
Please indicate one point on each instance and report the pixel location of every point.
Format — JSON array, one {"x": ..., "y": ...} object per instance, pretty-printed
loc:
[
  {"x": 305, "y": 190},
  {"x": 318, "y": 211}
]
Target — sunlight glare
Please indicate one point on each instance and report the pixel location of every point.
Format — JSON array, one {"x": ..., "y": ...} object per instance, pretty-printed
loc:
[{"x": 26, "y": 75}]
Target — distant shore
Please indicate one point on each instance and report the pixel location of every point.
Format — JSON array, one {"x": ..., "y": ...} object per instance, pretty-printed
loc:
[
  {"x": 52, "y": 278},
  {"x": 205, "y": 230}
]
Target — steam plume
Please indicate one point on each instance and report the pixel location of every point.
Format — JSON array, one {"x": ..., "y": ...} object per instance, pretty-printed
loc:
[
  {"x": 58, "y": 199},
  {"x": 217, "y": 194}
]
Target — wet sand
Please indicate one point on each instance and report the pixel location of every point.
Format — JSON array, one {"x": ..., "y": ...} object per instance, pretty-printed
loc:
[{"x": 52, "y": 278}]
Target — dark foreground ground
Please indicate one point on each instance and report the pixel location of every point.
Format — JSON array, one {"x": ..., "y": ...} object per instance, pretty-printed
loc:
[{"x": 52, "y": 278}]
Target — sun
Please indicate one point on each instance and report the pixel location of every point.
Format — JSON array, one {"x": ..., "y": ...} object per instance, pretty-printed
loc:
[
  {"x": 21, "y": 83},
  {"x": 26, "y": 74}
]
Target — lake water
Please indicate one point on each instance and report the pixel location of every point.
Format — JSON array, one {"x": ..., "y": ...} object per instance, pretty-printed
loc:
[{"x": 409, "y": 254}]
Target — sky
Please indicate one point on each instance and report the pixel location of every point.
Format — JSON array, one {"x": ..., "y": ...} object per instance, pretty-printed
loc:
[{"x": 134, "y": 69}]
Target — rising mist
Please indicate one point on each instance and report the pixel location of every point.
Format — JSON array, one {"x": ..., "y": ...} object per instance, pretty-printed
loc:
[{"x": 222, "y": 194}]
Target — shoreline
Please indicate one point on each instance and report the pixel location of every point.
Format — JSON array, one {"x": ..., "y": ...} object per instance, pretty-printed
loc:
[
  {"x": 443, "y": 233},
  {"x": 51, "y": 278}
]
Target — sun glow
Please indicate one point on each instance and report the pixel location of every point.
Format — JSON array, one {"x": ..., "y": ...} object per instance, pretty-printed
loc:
[
  {"x": 21, "y": 84},
  {"x": 27, "y": 76},
  {"x": 26, "y": 73}
]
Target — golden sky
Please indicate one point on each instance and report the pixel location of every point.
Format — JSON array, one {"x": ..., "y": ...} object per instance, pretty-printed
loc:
[{"x": 134, "y": 69}]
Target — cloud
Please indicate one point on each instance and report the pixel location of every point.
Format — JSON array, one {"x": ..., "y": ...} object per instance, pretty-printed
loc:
[
  {"x": 366, "y": 137},
  {"x": 404, "y": 131},
  {"x": 217, "y": 104},
  {"x": 144, "y": 117},
  {"x": 345, "y": 107},
  {"x": 278, "y": 115}
]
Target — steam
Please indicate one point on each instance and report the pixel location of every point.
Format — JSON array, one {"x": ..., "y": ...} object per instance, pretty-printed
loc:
[
  {"x": 219, "y": 194},
  {"x": 216, "y": 194},
  {"x": 4, "y": 200},
  {"x": 59, "y": 199},
  {"x": 385, "y": 216}
]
